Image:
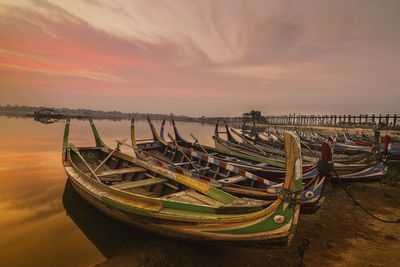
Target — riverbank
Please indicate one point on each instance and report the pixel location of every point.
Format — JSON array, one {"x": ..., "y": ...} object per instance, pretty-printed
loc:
[{"x": 339, "y": 234}]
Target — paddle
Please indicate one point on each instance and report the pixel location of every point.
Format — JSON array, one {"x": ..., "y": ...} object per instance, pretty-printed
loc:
[
  {"x": 183, "y": 153},
  {"x": 197, "y": 141},
  {"x": 104, "y": 161}
]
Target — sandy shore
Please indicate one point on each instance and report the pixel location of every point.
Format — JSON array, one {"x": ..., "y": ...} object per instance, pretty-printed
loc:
[{"x": 340, "y": 234}]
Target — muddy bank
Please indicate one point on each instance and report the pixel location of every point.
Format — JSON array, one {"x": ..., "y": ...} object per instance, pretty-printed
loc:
[{"x": 339, "y": 234}]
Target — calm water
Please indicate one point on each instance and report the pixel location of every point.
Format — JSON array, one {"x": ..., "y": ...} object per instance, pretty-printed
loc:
[{"x": 43, "y": 222}]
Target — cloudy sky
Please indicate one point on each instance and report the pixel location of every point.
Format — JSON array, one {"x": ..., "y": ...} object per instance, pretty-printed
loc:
[{"x": 212, "y": 58}]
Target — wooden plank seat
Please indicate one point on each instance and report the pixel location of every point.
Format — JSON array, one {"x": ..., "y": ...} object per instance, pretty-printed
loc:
[
  {"x": 121, "y": 171},
  {"x": 203, "y": 198},
  {"x": 140, "y": 183},
  {"x": 109, "y": 179},
  {"x": 191, "y": 196}
]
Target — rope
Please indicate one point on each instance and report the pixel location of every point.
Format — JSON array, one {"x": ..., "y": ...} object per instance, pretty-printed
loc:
[
  {"x": 358, "y": 204},
  {"x": 290, "y": 196},
  {"x": 301, "y": 249},
  {"x": 383, "y": 190}
]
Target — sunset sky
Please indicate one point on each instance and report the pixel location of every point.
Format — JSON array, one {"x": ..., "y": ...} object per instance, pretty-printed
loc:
[{"x": 212, "y": 58}]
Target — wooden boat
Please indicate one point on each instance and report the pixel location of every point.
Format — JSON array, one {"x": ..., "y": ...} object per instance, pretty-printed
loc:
[
  {"x": 221, "y": 174},
  {"x": 358, "y": 171},
  {"x": 311, "y": 149},
  {"x": 349, "y": 140},
  {"x": 260, "y": 166},
  {"x": 155, "y": 199},
  {"x": 348, "y": 171}
]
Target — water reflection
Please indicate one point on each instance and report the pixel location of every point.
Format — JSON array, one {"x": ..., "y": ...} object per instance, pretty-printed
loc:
[
  {"x": 108, "y": 235},
  {"x": 123, "y": 244},
  {"x": 45, "y": 120},
  {"x": 34, "y": 229}
]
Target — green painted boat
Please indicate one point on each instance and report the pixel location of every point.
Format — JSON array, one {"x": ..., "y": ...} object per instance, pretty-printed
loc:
[{"x": 155, "y": 199}]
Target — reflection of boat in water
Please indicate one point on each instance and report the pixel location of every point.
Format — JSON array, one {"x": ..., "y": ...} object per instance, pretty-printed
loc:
[
  {"x": 108, "y": 235},
  {"x": 117, "y": 241},
  {"x": 48, "y": 113},
  {"x": 45, "y": 120}
]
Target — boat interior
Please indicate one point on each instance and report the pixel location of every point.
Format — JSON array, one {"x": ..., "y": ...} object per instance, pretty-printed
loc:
[
  {"x": 180, "y": 159},
  {"x": 121, "y": 174}
]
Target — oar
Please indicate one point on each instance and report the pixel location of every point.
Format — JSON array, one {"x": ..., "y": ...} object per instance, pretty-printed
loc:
[
  {"x": 197, "y": 141},
  {"x": 259, "y": 149},
  {"x": 305, "y": 145},
  {"x": 104, "y": 161},
  {"x": 183, "y": 153},
  {"x": 85, "y": 162}
]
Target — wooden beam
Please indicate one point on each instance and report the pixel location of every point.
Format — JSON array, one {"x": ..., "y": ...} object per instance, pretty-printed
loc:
[
  {"x": 87, "y": 165},
  {"x": 121, "y": 171},
  {"x": 145, "y": 182},
  {"x": 104, "y": 161}
]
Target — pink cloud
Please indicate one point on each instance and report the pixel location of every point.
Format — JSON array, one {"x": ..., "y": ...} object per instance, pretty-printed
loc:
[{"x": 276, "y": 57}]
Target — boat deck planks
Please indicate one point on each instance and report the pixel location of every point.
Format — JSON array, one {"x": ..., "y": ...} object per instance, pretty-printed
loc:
[
  {"x": 203, "y": 198},
  {"x": 190, "y": 196},
  {"x": 144, "y": 182}
]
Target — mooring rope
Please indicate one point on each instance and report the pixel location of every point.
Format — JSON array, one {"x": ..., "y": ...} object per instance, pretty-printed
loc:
[
  {"x": 383, "y": 190},
  {"x": 301, "y": 249},
  {"x": 358, "y": 204}
]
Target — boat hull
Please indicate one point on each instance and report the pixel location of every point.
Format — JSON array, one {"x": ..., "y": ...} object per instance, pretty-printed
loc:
[{"x": 162, "y": 228}]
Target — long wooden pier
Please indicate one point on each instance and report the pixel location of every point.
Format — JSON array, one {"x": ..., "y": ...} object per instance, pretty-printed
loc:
[
  {"x": 335, "y": 120},
  {"x": 363, "y": 120}
]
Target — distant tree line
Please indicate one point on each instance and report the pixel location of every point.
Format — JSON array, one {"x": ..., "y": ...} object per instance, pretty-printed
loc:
[
  {"x": 27, "y": 111},
  {"x": 253, "y": 115}
]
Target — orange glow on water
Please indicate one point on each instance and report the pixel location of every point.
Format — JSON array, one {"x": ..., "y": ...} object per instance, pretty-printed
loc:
[{"x": 33, "y": 218}]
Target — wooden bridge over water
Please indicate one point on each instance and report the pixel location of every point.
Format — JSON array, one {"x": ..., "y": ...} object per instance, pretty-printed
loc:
[{"x": 362, "y": 120}]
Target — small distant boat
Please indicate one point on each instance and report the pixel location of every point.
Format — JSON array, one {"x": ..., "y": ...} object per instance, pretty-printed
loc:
[
  {"x": 48, "y": 113},
  {"x": 155, "y": 199}
]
